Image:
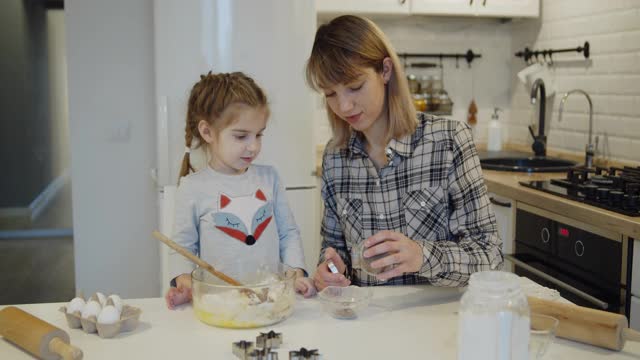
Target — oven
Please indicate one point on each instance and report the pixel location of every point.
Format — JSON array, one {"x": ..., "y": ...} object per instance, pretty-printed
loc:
[{"x": 587, "y": 265}]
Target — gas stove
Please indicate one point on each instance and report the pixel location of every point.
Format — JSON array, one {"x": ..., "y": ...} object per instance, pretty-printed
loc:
[{"x": 615, "y": 189}]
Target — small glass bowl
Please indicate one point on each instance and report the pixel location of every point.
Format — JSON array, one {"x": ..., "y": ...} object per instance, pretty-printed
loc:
[
  {"x": 264, "y": 299},
  {"x": 345, "y": 302},
  {"x": 543, "y": 331},
  {"x": 363, "y": 263}
]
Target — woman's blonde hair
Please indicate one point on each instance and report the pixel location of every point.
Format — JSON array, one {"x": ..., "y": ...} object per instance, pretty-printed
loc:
[
  {"x": 209, "y": 100},
  {"x": 341, "y": 49}
]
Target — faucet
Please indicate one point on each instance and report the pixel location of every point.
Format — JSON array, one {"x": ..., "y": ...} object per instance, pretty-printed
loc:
[
  {"x": 590, "y": 148},
  {"x": 539, "y": 141}
]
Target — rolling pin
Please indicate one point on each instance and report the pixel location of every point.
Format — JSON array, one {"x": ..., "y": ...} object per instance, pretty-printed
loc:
[
  {"x": 586, "y": 325},
  {"x": 36, "y": 335}
]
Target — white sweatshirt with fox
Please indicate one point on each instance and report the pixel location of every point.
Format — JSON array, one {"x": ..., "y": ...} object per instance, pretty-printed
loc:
[{"x": 237, "y": 223}]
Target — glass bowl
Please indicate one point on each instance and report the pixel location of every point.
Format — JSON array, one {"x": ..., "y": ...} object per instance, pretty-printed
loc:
[
  {"x": 364, "y": 264},
  {"x": 266, "y": 297},
  {"x": 543, "y": 331},
  {"x": 345, "y": 302}
]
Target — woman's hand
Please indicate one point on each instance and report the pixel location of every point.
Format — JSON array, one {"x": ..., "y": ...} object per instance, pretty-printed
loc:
[
  {"x": 404, "y": 254},
  {"x": 181, "y": 293},
  {"x": 324, "y": 277}
]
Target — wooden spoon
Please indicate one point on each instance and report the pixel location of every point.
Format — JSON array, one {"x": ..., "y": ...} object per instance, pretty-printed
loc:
[
  {"x": 196, "y": 260},
  {"x": 205, "y": 265}
]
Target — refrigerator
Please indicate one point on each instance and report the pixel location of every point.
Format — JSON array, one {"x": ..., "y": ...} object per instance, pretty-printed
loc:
[{"x": 270, "y": 41}]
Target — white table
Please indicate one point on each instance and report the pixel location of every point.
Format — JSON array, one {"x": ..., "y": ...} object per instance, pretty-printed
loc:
[{"x": 402, "y": 323}]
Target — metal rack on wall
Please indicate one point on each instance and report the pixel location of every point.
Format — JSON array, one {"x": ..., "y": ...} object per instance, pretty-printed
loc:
[
  {"x": 528, "y": 54},
  {"x": 469, "y": 56},
  {"x": 432, "y": 101}
]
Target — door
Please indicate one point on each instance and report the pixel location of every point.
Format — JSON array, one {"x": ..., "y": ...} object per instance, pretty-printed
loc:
[
  {"x": 508, "y": 8},
  {"x": 363, "y": 6},
  {"x": 443, "y": 7}
]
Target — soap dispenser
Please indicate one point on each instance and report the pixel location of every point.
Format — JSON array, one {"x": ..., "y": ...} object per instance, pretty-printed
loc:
[{"x": 494, "y": 139}]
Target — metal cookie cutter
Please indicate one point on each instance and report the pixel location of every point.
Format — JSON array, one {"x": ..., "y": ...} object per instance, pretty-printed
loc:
[
  {"x": 263, "y": 354},
  {"x": 269, "y": 340},
  {"x": 304, "y": 354},
  {"x": 242, "y": 349}
]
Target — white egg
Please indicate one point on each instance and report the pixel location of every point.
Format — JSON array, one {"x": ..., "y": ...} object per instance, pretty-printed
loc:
[
  {"x": 117, "y": 301},
  {"x": 101, "y": 298},
  {"x": 92, "y": 308},
  {"x": 109, "y": 315},
  {"x": 75, "y": 305}
]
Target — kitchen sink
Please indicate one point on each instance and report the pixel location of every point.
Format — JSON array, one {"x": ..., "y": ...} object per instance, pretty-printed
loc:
[{"x": 527, "y": 164}]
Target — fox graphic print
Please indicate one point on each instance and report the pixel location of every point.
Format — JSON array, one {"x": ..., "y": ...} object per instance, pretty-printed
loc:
[{"x": 243, "y": 218}]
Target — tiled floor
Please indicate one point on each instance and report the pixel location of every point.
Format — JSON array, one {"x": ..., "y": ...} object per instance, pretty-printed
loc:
[{"x": 34, "y": 270}]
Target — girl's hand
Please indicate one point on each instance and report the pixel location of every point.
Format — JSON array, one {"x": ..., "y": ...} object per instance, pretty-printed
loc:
[
  {"x": 324, "y": 277},
  {"x": 305, "y": 286},
  {"x": 181, "y": 293},
  {"x": 404, "y": 254}
]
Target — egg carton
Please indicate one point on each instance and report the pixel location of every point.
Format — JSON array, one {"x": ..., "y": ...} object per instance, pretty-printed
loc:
[{"x": 129, "y": 319}]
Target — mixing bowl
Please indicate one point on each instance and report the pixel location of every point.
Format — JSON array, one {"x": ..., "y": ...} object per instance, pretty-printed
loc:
[
  {"x": 265, "y": 298},
  {"x": 345, "y": 302}
]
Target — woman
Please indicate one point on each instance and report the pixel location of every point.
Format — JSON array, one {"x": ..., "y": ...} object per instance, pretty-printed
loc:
[{"x": 408, "y": 186}]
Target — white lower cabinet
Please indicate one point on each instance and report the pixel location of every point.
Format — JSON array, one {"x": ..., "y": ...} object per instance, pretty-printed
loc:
[
  {"x": 634, "y": 322},
  {"x": 505, "y": 210}
]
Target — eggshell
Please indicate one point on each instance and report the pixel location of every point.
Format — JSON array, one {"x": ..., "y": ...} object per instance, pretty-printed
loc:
[
  {"x": 109, "y": 315},
  {"x": 76, "y": 305},
  {"x": 101, "y": 298},
  {"x": 115, "y": 301},
  {"x": 92, "y": 308}
]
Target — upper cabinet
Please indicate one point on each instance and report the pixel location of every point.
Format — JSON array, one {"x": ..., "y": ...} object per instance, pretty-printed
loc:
[
  {"x": 486, "y": 8},
  {"x": 398, "y": 7}
]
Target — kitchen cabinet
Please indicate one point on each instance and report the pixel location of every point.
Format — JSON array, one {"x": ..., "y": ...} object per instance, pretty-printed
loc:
[
  {"x": 505, "y": 211},
  {"x": 635, "y": 288},
  {"x": 398, "y": 7},
  {"x": 486, "y": 8}
]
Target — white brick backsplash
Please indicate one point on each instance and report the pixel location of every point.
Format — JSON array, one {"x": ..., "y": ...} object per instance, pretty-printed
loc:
[
  {"x": 610, "y": 76},
  {"x": 607, "y": 23},
  {"x": 567, "y": 9}
]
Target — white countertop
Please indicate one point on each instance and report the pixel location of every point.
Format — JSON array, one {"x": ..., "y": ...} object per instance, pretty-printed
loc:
[{"x": 401, "y": 322}]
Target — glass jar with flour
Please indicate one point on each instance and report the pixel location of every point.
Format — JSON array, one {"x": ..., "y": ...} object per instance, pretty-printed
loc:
[{"x": 493, "y": 321}]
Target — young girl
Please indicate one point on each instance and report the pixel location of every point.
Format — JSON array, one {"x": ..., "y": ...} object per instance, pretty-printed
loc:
[
  {"x": 232, "y": 213},
  {"x": 402, "y": 184}
]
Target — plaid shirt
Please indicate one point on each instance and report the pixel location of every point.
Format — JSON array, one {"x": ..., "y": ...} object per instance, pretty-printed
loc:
[{"x": 431, "y": 190}]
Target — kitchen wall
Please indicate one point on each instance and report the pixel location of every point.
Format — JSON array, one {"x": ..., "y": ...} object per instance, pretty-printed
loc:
[
  {"x": 488, "y": 79},
  {"x": 611, "y": 76},
  {"x": 112, "y": 126}
]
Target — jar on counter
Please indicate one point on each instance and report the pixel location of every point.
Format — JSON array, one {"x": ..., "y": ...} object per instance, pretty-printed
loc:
[
  {"x": 493, "y": 321},
  {"x": 419, "y": 102},
  {"x": 414, "y": 85}
]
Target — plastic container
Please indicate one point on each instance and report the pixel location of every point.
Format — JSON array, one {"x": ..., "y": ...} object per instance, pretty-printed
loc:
[
  {"x": 266, "y": 298},
  {"x": 494, "y": 136},
  {"x": 345, "y": 302},
  {"x": 493, "y": 322}
]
